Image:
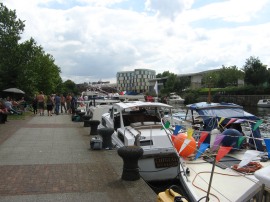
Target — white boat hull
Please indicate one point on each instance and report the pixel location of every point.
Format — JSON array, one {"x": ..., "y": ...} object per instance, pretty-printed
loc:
[{"x": 264, "y": 103}]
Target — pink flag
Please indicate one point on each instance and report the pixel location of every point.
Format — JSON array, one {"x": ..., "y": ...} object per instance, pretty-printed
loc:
[
  {"x": 231, "y": 121},
  {"x": 222, "y": 152}
]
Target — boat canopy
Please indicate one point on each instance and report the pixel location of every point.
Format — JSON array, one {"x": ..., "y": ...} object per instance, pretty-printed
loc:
[
  {"x": 221, "y": 110},
  {"x": 134, "y": 104},
  {"x": 211, "y": 113}
]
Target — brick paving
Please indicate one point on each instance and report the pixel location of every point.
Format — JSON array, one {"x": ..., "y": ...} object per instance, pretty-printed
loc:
[{"x": 48, "y": 158}]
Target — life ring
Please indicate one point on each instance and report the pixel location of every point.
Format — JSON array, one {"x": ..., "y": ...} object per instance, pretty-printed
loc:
[{"x": 251, "y": 167}]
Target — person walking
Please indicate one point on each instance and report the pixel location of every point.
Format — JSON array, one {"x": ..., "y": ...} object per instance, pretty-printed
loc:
[
  {"x": 73, "y": 104},
  {"x": 40, "y": 100},
  {"x": 63, "y": 103},
  {"x": 34, "y": 105},
  {"x": 57, "y": 101},
  {"x": 68, "y": 101},
  {"x": 50, "y": 104}
]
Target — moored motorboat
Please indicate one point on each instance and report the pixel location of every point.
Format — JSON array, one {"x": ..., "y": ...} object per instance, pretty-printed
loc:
[
  {"x": 263, "y": 103},
  {"x": 139, "y": 123},
  {"x": 229, "y": 150},
  {"x": 175, "y": 99}
]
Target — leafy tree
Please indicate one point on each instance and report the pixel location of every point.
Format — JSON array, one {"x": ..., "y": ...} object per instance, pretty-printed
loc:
[
  {"x": 10, "y": 30},
  {"x": 70, "y": 87},
  {"x": 226, "y": 76},
  {"x": 24, "y": 65},
  {"x": 164, "y": 74},
  {"x": 255, "y": 72}
]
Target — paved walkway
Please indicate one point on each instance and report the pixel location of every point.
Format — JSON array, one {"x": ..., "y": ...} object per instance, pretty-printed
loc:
[{"x": 48, "y": 159}]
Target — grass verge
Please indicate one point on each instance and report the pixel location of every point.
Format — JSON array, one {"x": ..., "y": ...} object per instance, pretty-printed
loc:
[{"x": 19, "y": 117}]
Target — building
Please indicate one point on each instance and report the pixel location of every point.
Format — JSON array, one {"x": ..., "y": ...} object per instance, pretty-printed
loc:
[{"x": 135, "y": 81}]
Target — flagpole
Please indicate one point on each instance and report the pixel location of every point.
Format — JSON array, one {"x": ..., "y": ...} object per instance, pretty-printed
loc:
[{"x": 211, "y": 178}]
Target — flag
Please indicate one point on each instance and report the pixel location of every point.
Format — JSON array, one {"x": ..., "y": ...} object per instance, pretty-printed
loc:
[
  {"x": 202, "y": 149},
  {"x": 217, "y": 141},
  {"x": 259, "y": 122},
  {"x": 231, "y": 121},
  {"x": 249, "y": 155},
  {"x": 156, "y": 88},
  {"x": 240, "y": 140},
  {"x": 222, "y": 152},
  {"x": 203, "y": 136},
  {"x": 166, "y": 125},
  {"x": 267, "y": 144},
  {"x": 176, "y": 130},
  {"x": 220, "y": 121},
  {"x": 189, "y": 133}
]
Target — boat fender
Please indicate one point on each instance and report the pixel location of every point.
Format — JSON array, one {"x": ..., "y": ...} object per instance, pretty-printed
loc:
[{"x": 171, "y": 196}]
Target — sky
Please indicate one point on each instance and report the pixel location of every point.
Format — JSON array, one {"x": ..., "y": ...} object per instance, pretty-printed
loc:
[{"x": 92, "y": 40}]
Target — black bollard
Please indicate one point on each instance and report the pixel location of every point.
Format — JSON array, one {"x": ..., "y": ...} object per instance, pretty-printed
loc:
[
  {"x": 81, "y": 114},
  {"x": 93, "y": 126},
  {"x": 106, "y": 134},
  {"x": 130, "y": 156},
  {"x": 86, "y": 117},
  {"x": 86, "y": 123}
]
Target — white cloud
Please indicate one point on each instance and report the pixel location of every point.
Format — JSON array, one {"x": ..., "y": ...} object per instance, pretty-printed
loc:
[{"x": 91, "y": 41}]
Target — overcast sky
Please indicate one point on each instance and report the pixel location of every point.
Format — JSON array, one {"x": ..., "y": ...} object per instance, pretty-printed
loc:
[{"x": 92, "y": 40}]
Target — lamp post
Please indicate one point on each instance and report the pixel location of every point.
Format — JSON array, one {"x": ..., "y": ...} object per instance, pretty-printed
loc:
[{"x": 209, "y": 90}]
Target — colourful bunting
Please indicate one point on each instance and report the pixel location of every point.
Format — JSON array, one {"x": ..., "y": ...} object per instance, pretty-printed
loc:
[
  {"x": 222, "y": 152},
  {"x": 259, "y": 122},
  {"x": 201, "y": 150},
  {"x": 231, "y": 121},
  {"x": 240, "y": 140},
  {"x": 217, "y": 141},
  {"x": 240, "y": 121},
  {"x": 221, "y": 120},
  {"x": 166, "y": 125},
  {"x": 267, "y": 144},
  {"x": 249, "y": 155},
  {"x": 190, "y": 133},
  {"x": 203, "y": 136},
  {"x": 177, "y": 129}
]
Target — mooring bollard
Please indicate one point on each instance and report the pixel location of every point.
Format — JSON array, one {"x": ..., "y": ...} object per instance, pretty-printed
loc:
[
  {"x": 86, "y": 123},
  {"x": 130, "y": 156},
  {"x": 106, "y": 134},
  {"x": 93, "y": 126},
  {"x": 86, "y": 120},
  {"x": 86, "y": 117},
  {"x": 81, "y": 114}
]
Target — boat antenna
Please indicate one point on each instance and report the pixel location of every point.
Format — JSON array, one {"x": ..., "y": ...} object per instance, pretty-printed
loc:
[{"x": 209, "y": 90}]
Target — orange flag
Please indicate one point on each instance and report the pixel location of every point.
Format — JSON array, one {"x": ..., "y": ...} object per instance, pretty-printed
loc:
[{"x": 222, "y": 152}]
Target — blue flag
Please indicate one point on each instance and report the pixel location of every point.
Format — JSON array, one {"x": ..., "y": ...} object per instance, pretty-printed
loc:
[
  {"x": 176, "y": 130},
  {"x": 267, "y": 144},
  {"x": 202, "y": 149}
]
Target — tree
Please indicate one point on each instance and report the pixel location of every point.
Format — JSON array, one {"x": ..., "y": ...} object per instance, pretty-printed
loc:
[
  {"x": 255, "y": 72},
  {"x": 226, "y": 76},
  {"x": 70, "y": 87},
  {"x": 26, "y": 65},
  {"x": 10, "y": 30}
]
